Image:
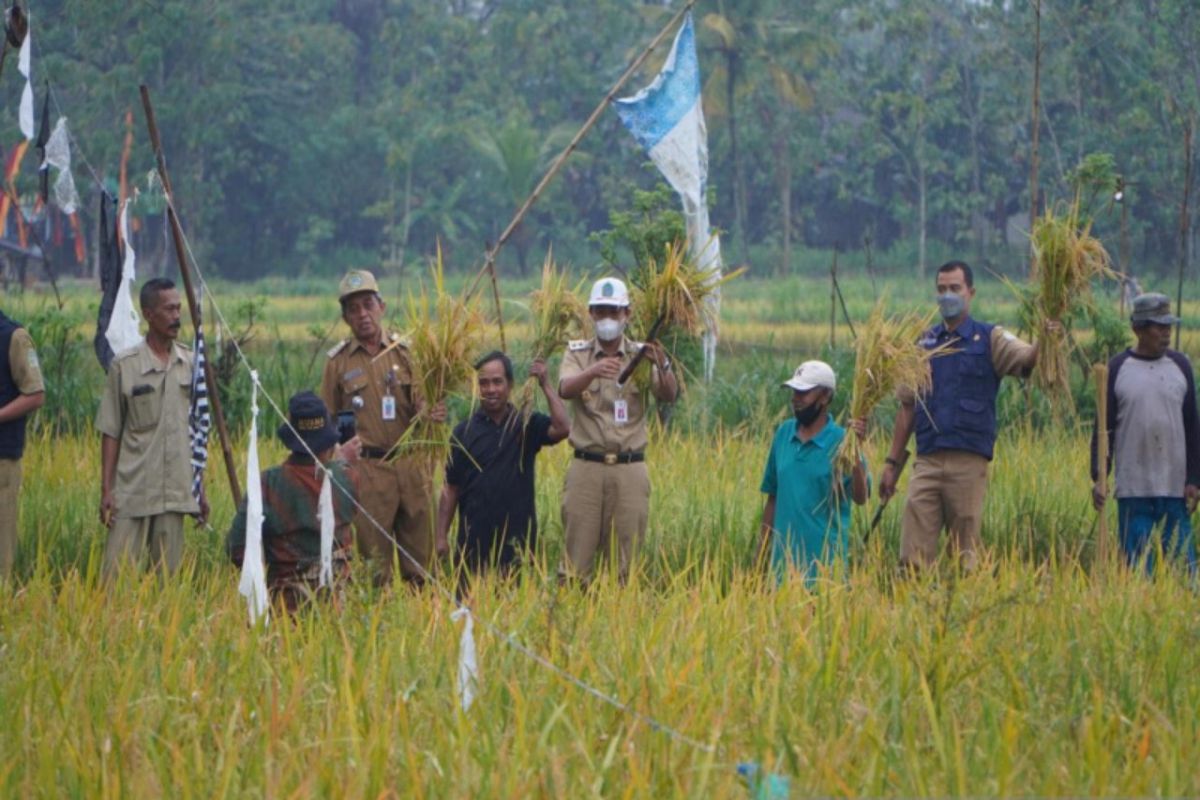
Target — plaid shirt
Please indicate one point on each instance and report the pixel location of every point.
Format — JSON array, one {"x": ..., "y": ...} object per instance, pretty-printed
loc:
[{"x": 291, "y": 528}]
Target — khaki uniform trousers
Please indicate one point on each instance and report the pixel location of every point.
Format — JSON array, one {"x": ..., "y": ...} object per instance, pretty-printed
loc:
[
  {"x": 397, "y": 495},
  {"x": 946, "y": 491},
  {"x": 603, "y": 505},
  {"x": 10, "y": 498},
  {"x": 132, "y": 539}
]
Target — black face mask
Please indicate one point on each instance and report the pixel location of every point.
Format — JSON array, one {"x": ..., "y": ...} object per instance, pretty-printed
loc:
[{"x": 808, "y": 415}]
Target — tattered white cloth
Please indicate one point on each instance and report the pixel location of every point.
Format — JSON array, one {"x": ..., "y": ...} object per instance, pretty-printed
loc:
[
  {"x": 325, "y": 513},
  {"x": 468, "y": 668},
  {"x": 122, "y": 331},
  {"x": 58, "y": 155},
  {"x": 253, "y": 585},
  {"x": 25, "y": 114}
]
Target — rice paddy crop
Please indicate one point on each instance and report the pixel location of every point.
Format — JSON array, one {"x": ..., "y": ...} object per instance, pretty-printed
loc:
[{"x": 1049, "y": 672}]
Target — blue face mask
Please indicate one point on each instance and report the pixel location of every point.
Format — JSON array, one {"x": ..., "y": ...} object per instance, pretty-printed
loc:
[{"x": 951, "y": 305}]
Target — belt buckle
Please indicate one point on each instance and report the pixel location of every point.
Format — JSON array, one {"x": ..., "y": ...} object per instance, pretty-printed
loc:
[{"x": 610, "y": 458}]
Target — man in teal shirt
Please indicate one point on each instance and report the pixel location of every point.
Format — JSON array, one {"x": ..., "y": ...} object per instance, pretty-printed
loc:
[{"x": 806, "y": 522}]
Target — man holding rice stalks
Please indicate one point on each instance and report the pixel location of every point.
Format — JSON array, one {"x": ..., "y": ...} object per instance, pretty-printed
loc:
[
  {"x": 490, "y": 474},
  {"x": 606, "y": 500},
  {"x": 955, "y": 423},
  {"x": 369, "y": 378},
  {"x": 806, "y": 519},
  {"x": 1153, "y": 429}
]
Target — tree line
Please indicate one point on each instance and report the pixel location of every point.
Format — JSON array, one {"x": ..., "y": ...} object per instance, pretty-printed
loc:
[{"x": 305, "y": 137}]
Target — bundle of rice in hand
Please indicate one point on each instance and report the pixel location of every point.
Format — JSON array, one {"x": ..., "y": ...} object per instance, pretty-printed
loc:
[
  {"x": 675, "y": 290},
  {"x": 1067, "y": 258},
  {"x": 558, "y": 314},
  {"x": 888, "y": 358},
  {"x": 444, "y": 334}
]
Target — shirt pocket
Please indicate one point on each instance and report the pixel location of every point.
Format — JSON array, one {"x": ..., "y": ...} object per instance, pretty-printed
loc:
[{"x": 145, "y": 406}]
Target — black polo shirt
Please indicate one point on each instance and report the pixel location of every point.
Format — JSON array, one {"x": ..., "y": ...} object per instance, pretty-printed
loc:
[{"x": 492, "y": 466}]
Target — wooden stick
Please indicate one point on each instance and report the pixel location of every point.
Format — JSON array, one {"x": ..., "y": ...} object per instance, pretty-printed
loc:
[
  {"x": 1184, "y": 219},
  {"x": 1036, "y": 123},
  {"x": 214, "y": 395},
  {"x": 1100, "y": 371},
  {"x": 490, "y": 258},
  {"x": 833, "y": 300}
]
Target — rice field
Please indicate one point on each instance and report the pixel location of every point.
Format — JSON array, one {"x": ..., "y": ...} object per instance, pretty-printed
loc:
[{"x": 1046, "y": 673}]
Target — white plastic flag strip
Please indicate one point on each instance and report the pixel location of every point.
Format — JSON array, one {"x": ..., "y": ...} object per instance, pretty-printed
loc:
[
  {"x": 468, "y": 669},
  {"x": 23, "y": 66},
  {"x": 325, "y": 512},
  {"x": 199, "y": 418},
  {"x": 253, "y": 585},
  {"x": 667, "y": 119},
  {"x": 58, "y": 155},
  {"x": 122, "y": 332}
]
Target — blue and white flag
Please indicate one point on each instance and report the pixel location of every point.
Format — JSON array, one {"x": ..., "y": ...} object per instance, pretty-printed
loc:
[{"x": 667, "y": 119}]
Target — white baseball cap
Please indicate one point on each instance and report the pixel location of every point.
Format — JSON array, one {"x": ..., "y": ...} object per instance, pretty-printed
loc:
[
  {"x": 609, "y": 292},
  {"x": 812, "y": 374}
]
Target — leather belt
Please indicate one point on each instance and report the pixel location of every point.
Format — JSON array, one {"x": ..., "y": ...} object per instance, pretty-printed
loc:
[
  {"x": 377, "y": 453},
  {"x": 611, "y": 458}
]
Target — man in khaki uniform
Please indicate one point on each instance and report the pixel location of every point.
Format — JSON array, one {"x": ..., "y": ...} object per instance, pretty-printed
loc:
[
  {"x": 955, "y": 424},
  {"x": 21, "y": 393},
  {"x": 607, "y": 494},
  {"x": 370, "y": 376},
  {"x": 146, "y": 470}
]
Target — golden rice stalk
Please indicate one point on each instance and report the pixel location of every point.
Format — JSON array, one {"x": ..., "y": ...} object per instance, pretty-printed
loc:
[
  {"x": 888, "y": 358},
  {"x": 558, "y": 314},
  {"x": 444, "y": 332},
  {"x": 1067, "y": 258},
  {"x": 677, "y": 289}
]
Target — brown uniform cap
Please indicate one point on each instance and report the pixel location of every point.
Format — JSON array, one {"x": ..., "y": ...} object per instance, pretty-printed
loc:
[{"x": 357, "y": 280}]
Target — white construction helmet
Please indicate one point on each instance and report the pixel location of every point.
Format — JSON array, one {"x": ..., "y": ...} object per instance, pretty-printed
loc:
[{"x": 609, "y": 292}]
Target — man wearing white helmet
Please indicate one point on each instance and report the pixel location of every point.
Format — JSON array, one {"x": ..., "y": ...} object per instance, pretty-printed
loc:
[
  {"x": 607, "y": 496},
  {"x": 806, "y": 519}
]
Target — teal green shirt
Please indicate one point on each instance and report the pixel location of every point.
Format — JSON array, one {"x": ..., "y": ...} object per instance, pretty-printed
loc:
[{"x": 812, "y": 522}]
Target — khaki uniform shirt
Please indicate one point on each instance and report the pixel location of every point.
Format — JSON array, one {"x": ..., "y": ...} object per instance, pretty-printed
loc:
[
  {"x": 351, "y": 371},
  {"x": 145, "y": 408},
  {"x": 1010, "y": 356},
  {"x": 594, "y": 426},
  {"x": 23, "y": 363}
]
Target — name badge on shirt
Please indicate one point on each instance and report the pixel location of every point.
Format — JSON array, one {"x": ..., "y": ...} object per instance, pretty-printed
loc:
[
  {"x": 389, "y": 407},
  {"x": 620, "y": 412}
]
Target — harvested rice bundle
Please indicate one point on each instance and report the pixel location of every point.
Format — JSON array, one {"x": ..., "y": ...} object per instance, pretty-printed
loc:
[
  {"x": 888, "y": 359},
  {"x": 558, "y": 314},
  {"x": 1067, "y": 258},
  {"x": 444, "y": 334},
  {"x": 676, "y": 291}
]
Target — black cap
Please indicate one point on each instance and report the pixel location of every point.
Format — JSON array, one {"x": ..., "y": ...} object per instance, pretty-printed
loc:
[{"x": 310, "y": 427}]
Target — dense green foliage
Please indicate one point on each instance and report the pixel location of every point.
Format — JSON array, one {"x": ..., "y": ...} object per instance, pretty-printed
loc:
[{"x": 308, "y": 136}]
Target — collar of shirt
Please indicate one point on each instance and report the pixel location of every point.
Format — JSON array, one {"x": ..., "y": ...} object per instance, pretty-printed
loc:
[
  {"x": 622, "y": 349},
  {"x": 148, "y": 362},
  {"x": 824, "y": 438},
  {"x": 963, "y": 331},
  {"x": 482, "y": 416},
  {"x": 385, "y": 339}
]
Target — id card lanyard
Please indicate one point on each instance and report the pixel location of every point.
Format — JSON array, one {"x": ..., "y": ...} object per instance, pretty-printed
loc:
[
  {"x": 389, "y": 400},
  {"x": 621, "y": 406}
]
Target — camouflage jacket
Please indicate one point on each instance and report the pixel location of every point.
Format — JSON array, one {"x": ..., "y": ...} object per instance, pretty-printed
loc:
[{"x": 291, "y": 530}]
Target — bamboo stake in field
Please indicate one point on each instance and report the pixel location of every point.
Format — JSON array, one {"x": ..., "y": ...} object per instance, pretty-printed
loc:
[
  {"x": 489, "y": 263},
  {"x": 1100, "y": 371},
  {"x": 214, "y": 395}
]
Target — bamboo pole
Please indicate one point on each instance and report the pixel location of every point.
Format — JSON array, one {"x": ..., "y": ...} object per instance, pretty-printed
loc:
[
  {"x": 214, "y": 395},
  {"x": 833, "y": 301},
  {"x": 1035, "y": 123},
  {"x": 489, "y": 264},
  {"x": 1184, "y": 219},
  {"x": 1100, "y": 371}
]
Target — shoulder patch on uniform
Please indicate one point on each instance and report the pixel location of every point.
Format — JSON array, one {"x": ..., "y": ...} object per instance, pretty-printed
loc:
[
  {"x": 1012, "y": 337},
  {"x": 337, "y": 348},
  {"x": 32, "y": 359},
  {"x": 578, "y": 344}
]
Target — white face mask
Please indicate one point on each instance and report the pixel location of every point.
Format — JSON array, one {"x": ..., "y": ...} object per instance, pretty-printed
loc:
[{"x": 609, "y": 329}]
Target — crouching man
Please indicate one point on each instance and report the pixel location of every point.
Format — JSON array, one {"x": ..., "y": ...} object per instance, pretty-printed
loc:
[{"x": 291, "y": 531}]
